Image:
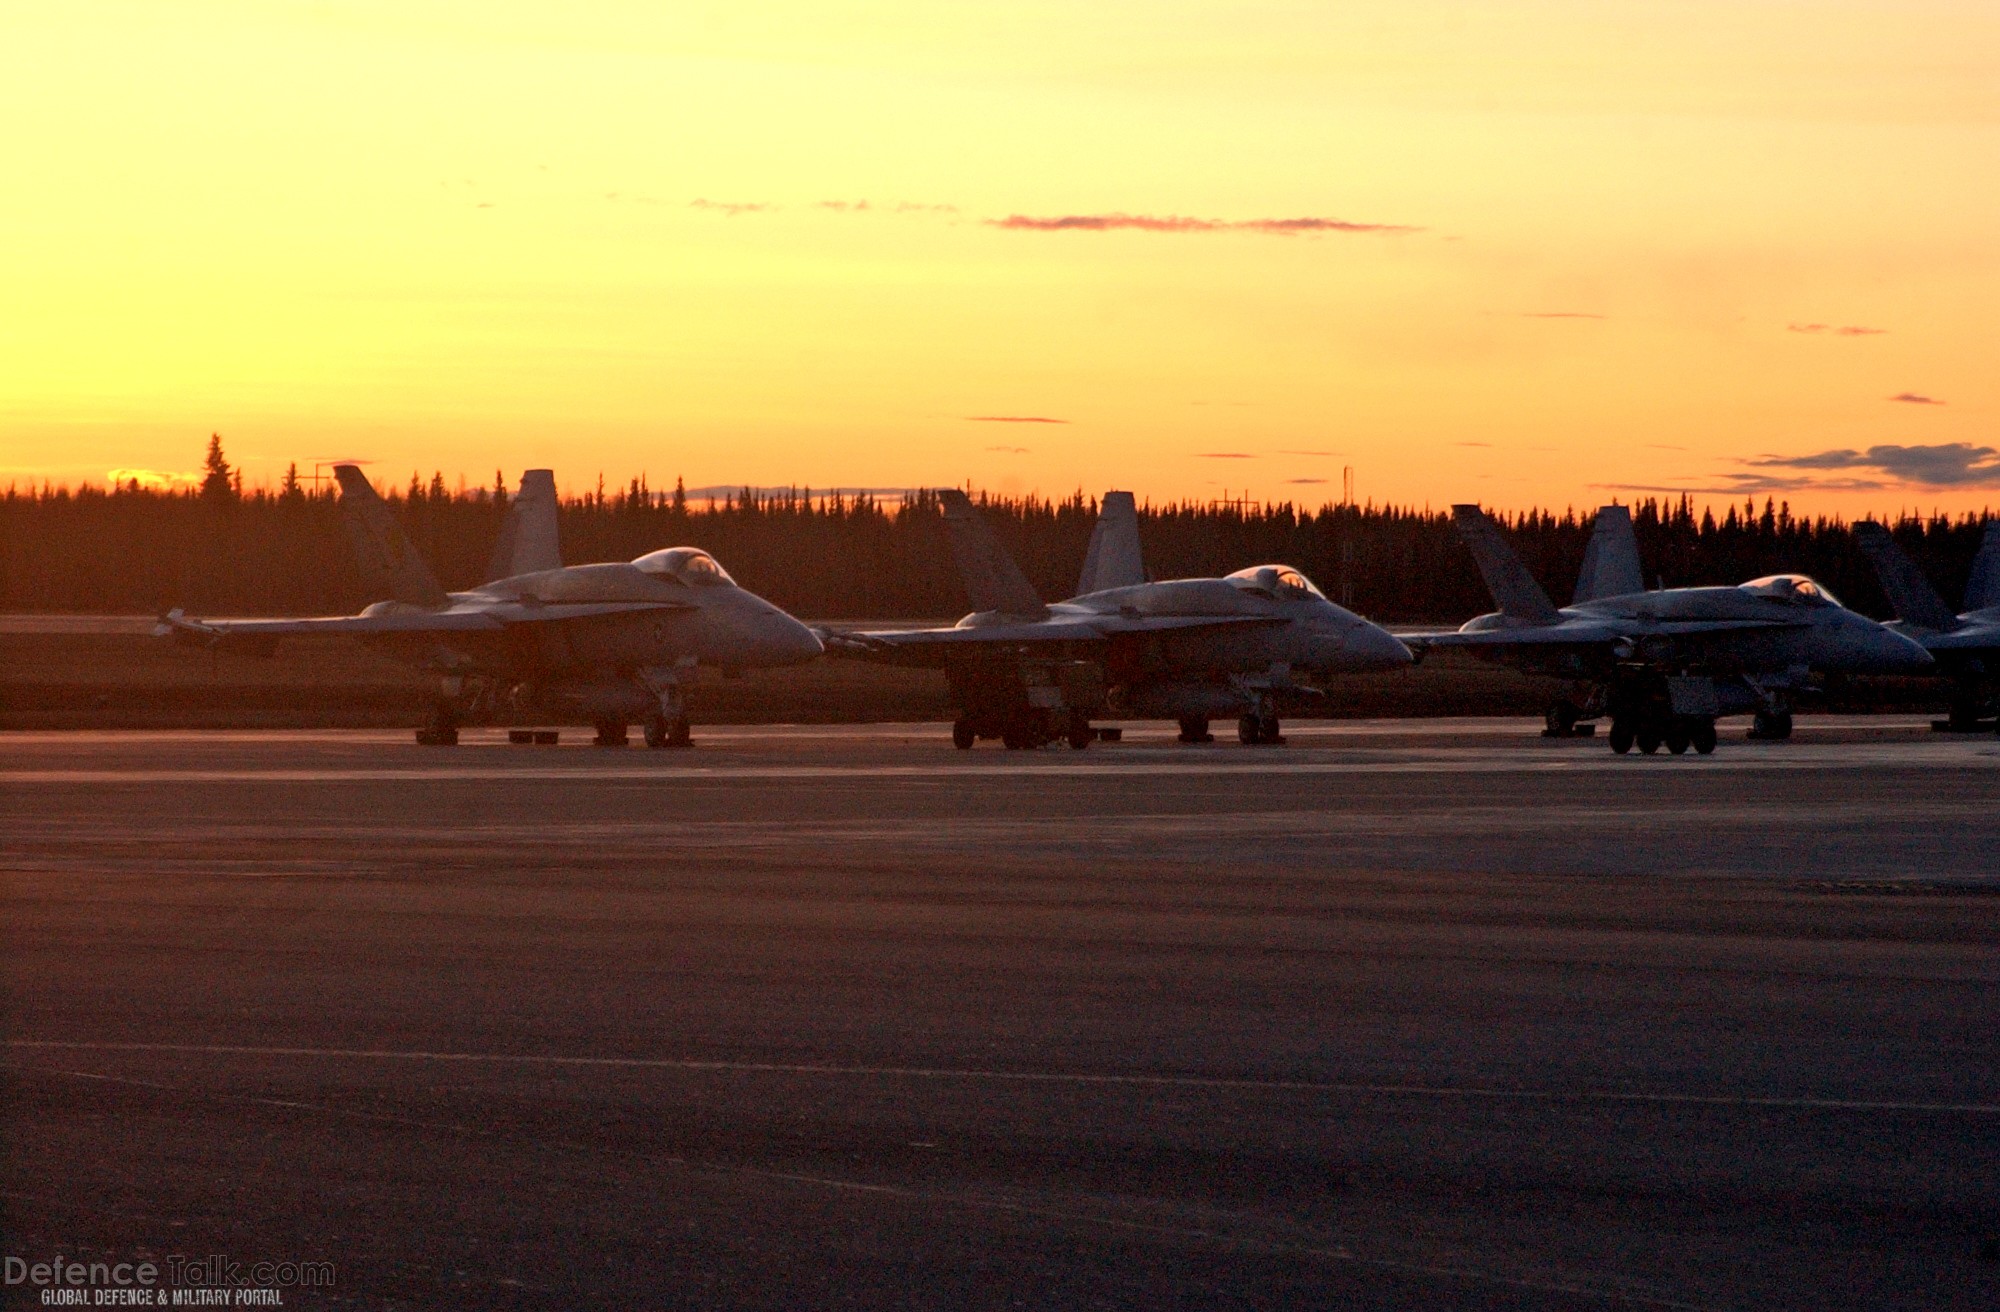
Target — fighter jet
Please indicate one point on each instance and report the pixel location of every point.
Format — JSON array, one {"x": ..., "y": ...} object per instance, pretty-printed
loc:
[
  {"x": 1187, "y": 649},
  {"x": 1672, "y": 661},
  {"x": 608, "y": 643},
  {"x": 1966, "y": 646}
]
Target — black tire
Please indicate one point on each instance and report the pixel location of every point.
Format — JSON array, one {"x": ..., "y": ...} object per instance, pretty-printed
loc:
[
  {"x": 612, "y": 733},
  {"x": 1080, "y": 734},
  {"x": 962, "y": 736},
  {"x": 1702, "y": 735},
  {"x": 655, "y": 729},
  {"x": 1250, "y": 731},
  {"x": 1649, "y": 738},
  {"x": 437, "y": 737},
  {"x": 1560, "y": 721},
  {"x": 1781, "y": 725},
  {"x": 1194, "y": 729},
  {"x": 1621, "y": 735},
  {"x": 1679, "y": 737}
]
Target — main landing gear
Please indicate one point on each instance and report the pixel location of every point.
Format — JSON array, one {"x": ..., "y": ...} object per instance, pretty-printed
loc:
[
  {"x": 1025, "y": 729},
  {"x": 1259, "y": 731},
  {"x": 1650, "y": 732},
  {"x": 441, "y": 730},
  {"x": 664, "y": 730},
  {"x": 1194, "y": 729},
  {"x": 1772, "y": 726}
]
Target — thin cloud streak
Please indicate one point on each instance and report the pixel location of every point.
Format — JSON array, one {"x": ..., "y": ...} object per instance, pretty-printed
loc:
[
  {"x": 731, "y": 208},
  {"x": 1915, "y": 398},
  {"x": 1837, "y": 330},
  {"x": 1223, "y": 455},
  {"x": 1013, "y": 419},
  {"x": 1184, "y": 223}
]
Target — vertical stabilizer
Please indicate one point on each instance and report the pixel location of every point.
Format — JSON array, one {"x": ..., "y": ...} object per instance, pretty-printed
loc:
[
  {"x": 528, "y": 543},
  {"x": 1611, "y": 561},
  {"x": 1514, "y": 590},
  {"x": 1982, "y": 590},
  {"x": 1910, "y": 593},
  {"x": 388, "y": 561},
  {"x": 1114, "y": 559},
  {"x": 992, "y": 580}
]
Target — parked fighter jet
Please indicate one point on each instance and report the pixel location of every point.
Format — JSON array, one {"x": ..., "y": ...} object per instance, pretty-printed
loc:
[
  {"x": 611, "y": 643},
  {"x": 1188, "y": 649},
  {"x": 1966, "y": 646},
  {"x": 1673, "y": 660}
]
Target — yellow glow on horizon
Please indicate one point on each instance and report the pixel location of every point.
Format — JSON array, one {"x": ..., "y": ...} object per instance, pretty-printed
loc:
[{"x": 464, "y": 236}]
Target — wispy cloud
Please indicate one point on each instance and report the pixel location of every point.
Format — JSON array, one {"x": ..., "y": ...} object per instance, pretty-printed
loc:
[
  {"x": 1010, "y": 450},
  {"x": 1305, "y": 480},
  {"x": 1224, "y": 455},
  {"x": 1183, "y": 223},
  {"x": 1915, "y": 398},
  {"x": 1013, "y": 419},
  {"x": 1739, "y": 485},
  {"x": 1484, "y": 444},
  {"x": 1944, "y": 464},
  {"x": 1561, "y": 314},
  {"x": 731, "y": 207},
  {"x": 1837, "y": 330}
]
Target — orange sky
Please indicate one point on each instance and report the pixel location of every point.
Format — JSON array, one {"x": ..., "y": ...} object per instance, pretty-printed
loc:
[{"x": 1600, "y": 246}]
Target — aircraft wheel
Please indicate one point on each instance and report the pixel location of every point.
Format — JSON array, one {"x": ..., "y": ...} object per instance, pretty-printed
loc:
[
  {"x": 1621, "y": 735},
  {"x": 662, "y": 731},
  {"x": 1773, "y": 725},
  {"x": 1702, "y": 735},
  {"x": 1679, "y": 739},
  {"x": 962, "y": 735},
  {"x": 441, "y": 730},
  {"x": 611, "y": 733},
  {"x": 1649, "y": 738},
  {"x": 1250, "y": 731},
  {"x": 1268, "y": 729},
  {"x": 1560, "y": 722},
  {"x": 1080, "y": 735},
  {"x": 1194, "y": 729}
]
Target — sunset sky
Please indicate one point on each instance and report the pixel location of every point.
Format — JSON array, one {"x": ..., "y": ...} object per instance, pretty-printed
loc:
[{"x": 1523, "y": 253}]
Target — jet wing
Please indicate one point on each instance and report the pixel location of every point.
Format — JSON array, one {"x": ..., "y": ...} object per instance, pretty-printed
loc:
[
  {"x": 888, "y": 643},
  {"x": 1593, "y": 633},
  {"x": 263, "y": 635}
]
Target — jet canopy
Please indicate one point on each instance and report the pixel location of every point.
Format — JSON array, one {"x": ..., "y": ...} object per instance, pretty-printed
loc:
[
  {"x": 1280, "y": 581},
  {"x": 1796, "y": 588},
  {"x": 690, "y": 565}
]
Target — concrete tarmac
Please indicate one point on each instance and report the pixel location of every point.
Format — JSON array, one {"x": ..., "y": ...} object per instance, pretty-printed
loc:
[{"x": 1432, "y": 1013}]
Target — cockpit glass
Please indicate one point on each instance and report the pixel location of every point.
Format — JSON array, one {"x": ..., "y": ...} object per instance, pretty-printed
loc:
[
  {"x": 689, "y": 565},
  {"x": 1277, "y": 580},
  {"x": 1791, "y": 587}
]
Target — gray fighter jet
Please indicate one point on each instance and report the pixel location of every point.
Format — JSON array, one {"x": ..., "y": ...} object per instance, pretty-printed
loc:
[
  {"x": 608, "y": 643},
  {"x": 1673, "y": 660},
  {"x": 1187, "y": 649},
  {"x": 1966, "y": 646}
]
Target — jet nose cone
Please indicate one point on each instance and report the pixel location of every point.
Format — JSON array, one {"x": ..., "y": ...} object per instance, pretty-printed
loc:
[
  {"x": 1367, "y": 646},
  {"x": 1901, "y": 654},
  {"x": 797, "y": 643}
]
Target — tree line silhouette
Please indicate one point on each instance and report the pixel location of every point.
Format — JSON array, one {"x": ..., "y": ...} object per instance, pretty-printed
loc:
[{"x": 217, "y": 549}]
